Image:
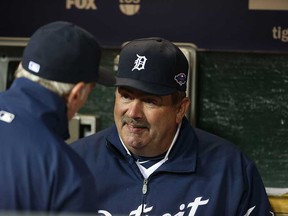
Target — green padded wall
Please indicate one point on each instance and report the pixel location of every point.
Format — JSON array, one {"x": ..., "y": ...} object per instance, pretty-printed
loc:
[{"x": 244, "y": 98}]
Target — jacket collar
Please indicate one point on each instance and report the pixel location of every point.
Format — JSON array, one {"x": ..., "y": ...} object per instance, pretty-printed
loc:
[
  {"x": 183, "y": 155},
  {"x": 43, "y": 104}
]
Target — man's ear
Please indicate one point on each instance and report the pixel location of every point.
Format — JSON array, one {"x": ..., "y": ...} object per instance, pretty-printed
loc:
[
  {"x": 182, "y": 109},
  {"x": 74, "y": 99},
  {"x": 76, "y": 93}
]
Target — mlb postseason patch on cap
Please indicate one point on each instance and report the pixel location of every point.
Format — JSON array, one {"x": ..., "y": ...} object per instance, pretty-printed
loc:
[{"x": 152, "y": 65}]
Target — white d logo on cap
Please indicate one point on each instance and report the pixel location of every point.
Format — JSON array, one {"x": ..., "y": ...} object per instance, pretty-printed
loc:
[{"x": 140, "y": 63}]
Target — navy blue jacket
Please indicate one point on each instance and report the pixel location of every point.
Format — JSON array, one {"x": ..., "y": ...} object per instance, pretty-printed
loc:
[
  {"x": 38, "y": 170},
  {"x": 204, "y": 176}
]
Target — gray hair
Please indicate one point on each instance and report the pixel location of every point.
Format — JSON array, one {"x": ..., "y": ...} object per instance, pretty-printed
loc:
[
  {"x": 178, "y": 96},
  {"x": 57, "y": 87}
]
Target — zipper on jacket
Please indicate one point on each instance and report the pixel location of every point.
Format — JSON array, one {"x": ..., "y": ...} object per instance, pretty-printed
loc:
[
  {"x": 144, "y": 191},
  {"x": 145, "y": 187}
]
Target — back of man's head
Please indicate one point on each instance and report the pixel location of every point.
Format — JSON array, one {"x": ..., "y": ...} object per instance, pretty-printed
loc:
[{"x": 64, "y": 52}]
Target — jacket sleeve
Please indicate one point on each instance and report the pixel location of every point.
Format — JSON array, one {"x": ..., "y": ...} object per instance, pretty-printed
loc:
[
  {"x": 255, "y": 201},
  {"x": 74, "y": 187}
]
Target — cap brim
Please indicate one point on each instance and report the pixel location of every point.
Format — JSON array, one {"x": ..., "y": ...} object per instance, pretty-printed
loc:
[
  {"x": 147, "y": 87},
  {"x": 106, "y": 77}
]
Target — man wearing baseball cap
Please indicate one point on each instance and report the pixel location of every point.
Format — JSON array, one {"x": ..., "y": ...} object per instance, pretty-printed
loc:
[
  {"x": 155, "y": 162},
  {"x": 38, "y": 170}
]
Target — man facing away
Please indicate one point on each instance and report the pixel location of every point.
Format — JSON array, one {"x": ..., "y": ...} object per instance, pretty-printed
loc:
[
  {"x": 152, "y": 161},
  {"x": 38, "y": 170}
]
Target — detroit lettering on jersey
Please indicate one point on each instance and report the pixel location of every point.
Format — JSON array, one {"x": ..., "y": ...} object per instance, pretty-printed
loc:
[{"x": 190, "y": 208}]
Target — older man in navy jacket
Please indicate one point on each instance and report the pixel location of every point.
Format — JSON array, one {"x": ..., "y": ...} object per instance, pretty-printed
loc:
[{"x": 38, "y": 170}]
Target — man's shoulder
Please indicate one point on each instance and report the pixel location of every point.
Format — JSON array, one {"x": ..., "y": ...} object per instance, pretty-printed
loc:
[
  {"x": 213, "y": 145},
  {"x": 95, "y": 140}
]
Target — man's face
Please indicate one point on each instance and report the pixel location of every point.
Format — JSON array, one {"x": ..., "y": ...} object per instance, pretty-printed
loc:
[{"x": 146, "y": 123}]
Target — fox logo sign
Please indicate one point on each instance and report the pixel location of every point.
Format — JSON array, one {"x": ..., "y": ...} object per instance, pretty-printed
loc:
[{"x": 81, "y": 4}]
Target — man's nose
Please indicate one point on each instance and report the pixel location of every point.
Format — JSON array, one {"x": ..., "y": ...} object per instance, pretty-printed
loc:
[{"x": 135, "y": 109}]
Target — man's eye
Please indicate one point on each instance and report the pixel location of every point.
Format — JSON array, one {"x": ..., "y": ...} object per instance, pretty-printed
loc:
[
  {"x": 125, "y": 97},
  {"x": 152, "y": 102}
]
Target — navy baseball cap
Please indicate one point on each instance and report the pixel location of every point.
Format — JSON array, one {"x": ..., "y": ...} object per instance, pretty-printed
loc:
[
  {"x": 152, "y": 65},
  {"x": 64, "y": 52}
]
